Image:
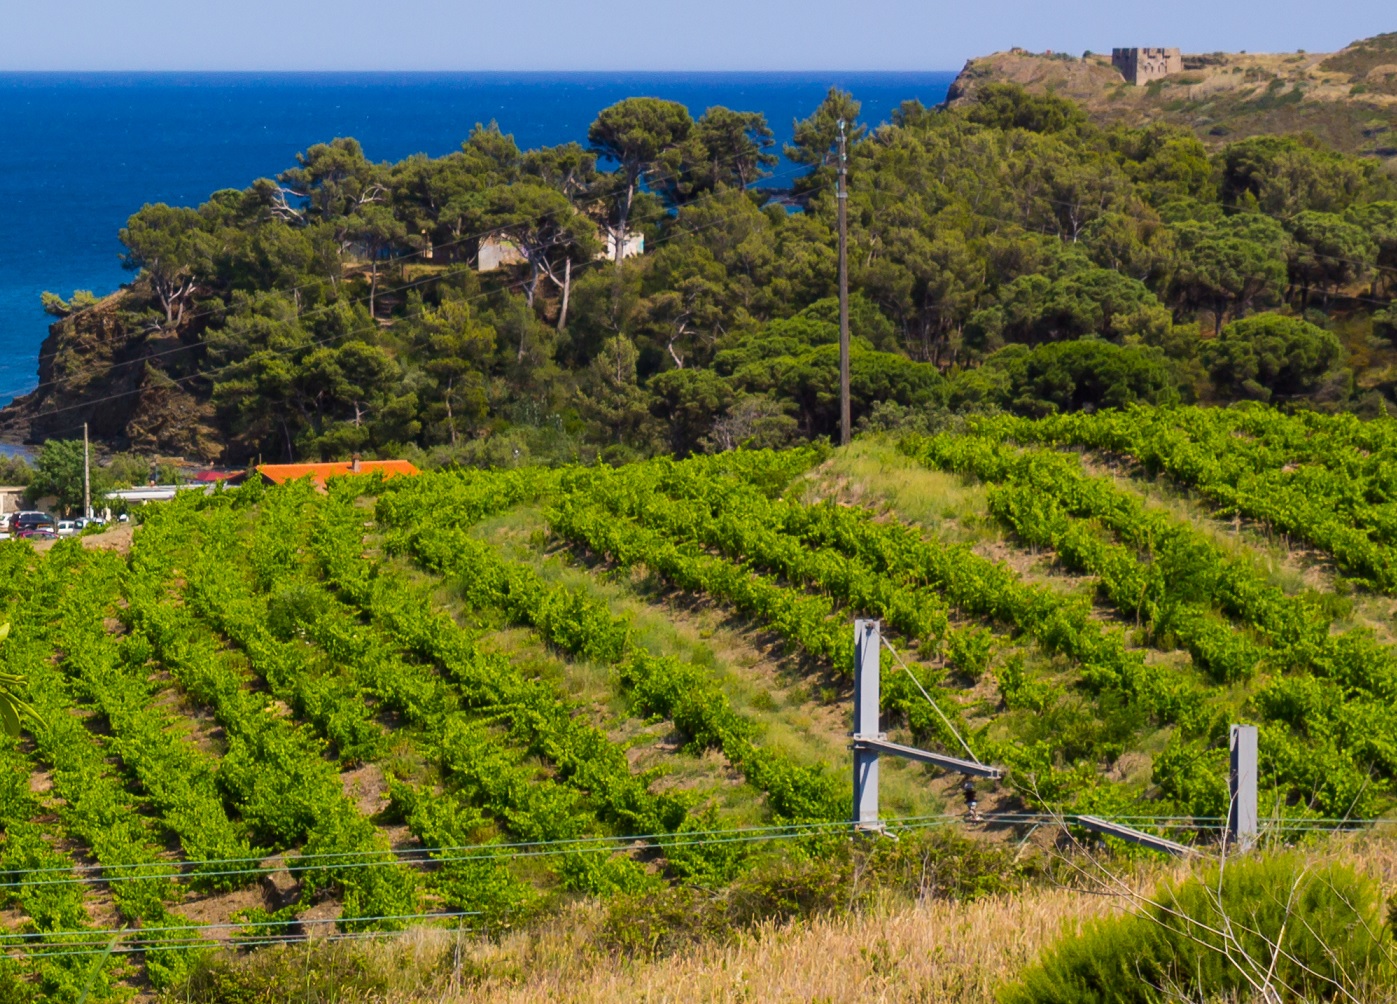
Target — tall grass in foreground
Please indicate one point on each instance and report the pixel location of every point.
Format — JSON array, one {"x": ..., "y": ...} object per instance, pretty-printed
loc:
[{"x": 937, "y": 950}]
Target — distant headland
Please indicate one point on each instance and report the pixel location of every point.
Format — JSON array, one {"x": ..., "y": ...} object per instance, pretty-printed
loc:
[{"x": 1347, "y": 98}]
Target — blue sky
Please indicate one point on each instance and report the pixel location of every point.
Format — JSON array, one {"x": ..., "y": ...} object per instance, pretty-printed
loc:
[{"x": 653, "y": 35}]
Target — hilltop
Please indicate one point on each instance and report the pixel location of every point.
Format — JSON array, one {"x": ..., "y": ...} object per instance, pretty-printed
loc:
[{"x": 1346, "y": 98}]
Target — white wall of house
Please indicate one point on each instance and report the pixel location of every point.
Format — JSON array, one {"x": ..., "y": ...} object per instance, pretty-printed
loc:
[
  {"x": 633, "y": 245},
  {"x": 496, "y": 252}
]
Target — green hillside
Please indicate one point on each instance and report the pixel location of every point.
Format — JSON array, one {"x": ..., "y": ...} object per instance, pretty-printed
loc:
[
  {"x": 568, "y": 715},
  {"x": 478, "y": 698},
  {"x": 1009, "y": 252}
]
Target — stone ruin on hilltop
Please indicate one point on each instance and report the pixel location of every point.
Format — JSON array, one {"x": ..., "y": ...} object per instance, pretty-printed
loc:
[{"x": 1141, "y": 65}]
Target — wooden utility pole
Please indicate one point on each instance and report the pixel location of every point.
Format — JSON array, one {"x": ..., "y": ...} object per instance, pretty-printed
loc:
[
  {"x": 86, "y": 476},
  {"x": 842, "y": 197}
]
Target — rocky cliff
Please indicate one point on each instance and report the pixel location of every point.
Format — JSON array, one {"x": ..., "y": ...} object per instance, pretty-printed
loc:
[{"x": 136, "y": 386}]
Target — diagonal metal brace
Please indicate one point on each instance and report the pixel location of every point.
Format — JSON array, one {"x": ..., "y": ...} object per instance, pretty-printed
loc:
[
  {"x": 1132, "y": 835},
  {"x": 882, "y": 746}
]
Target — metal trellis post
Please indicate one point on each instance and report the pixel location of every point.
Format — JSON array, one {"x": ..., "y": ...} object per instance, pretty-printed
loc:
[
  {"x": 866, "y": 726},
  {"x": 1241, "y": 811},
  {"x": 870, "y": 743}
]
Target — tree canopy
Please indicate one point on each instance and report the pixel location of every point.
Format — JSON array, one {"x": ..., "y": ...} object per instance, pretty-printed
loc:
[
  {"x": 1269, "y": 355},
  {"x": 1008, "y": 254}
]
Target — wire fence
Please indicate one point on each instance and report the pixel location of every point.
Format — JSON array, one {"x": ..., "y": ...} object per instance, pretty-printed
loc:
[
  {"x": 99, "y": 874},
  {"x": 40, "y": 944}
]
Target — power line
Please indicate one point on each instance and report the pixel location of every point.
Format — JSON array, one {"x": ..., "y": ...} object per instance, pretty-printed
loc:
[
  {"x": 934, "y": 706},
  {"x": 58, "y": 951},
  {"x": 102, "y": 936},
  {"x": 477, "y": 852},
  {"x": 646, "y": 842},
  {"x": 618, "y": 839}
]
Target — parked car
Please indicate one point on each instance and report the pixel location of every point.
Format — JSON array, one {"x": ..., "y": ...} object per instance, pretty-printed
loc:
[
  {"x": 67, "y": 527},
  {"x": 37, "y": 533},
  {"x": 83, "y": 522},
  {"x": 32, "y": 520}
]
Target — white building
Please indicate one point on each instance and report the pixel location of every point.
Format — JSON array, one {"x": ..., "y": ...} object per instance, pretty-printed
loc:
[
  {"x": 634, "y": 244},
  {"x": 497, "y": 252},
  {"x": 11, "y": 499}
]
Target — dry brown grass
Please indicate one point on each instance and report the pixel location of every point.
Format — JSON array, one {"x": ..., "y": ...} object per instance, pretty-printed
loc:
[
  {"x": 936, "y": 952},
  {"x": 1237, "y": 95},
  {"x": 941, "y": 951}
]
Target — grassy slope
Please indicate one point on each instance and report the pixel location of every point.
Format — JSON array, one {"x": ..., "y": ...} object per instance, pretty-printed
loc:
[
  {"x": 804, "y": 712},
  {"x": 872, "y": 472},
  {"x": 801, "y": 709}
]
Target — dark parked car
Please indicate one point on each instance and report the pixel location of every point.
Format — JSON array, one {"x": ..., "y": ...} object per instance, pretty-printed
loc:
[{"x": 33, "y": 521}]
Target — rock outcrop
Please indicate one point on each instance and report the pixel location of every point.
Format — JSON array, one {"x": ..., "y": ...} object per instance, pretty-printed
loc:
[{"x": 137, "y": 387}]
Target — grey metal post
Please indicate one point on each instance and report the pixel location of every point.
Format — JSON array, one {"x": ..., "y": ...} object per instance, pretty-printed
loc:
[
  {"x": 1241, "y": 813},
  {"x": 866, "y": 726},
  {"x": 1129, "y": 833}
]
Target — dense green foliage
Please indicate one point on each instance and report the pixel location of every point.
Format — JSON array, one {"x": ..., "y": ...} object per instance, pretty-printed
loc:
[
  {"x": 1009, "y": 255},
  {"x": 1267, "y": 929},
  {"x": 1326, "y": 701}
]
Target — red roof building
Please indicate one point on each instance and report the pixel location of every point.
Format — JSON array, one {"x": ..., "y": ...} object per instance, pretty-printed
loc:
[
  {"x": 212, "y": 477},
  {"x": 277, "y": 474}
]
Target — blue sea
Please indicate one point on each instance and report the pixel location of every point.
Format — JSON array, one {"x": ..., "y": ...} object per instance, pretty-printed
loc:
[{"x": 80, "y": 152}]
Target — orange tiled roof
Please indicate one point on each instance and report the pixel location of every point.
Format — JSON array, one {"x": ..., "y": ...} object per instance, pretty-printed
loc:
[{"x": 279, "y": 473}]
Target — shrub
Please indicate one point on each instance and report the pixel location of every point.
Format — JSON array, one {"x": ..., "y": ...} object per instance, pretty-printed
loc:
[
  {"x": 1326, "y": 922},
  {"x": 334, "y": 971},
  {"x": 1385, "y": 323},
  {"x": 662, "y": 923},
  {"x": 1075, "y": 376},
  {"x": 1009, "y": 106},
  {"x": 1271, "y": 355},
  {"x": 835, "y": 876},
  {"x": 781, "y": 889}
]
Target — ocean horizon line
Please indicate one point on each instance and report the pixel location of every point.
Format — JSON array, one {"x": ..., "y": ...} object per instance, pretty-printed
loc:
[{"x": 438, "y": 73}]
